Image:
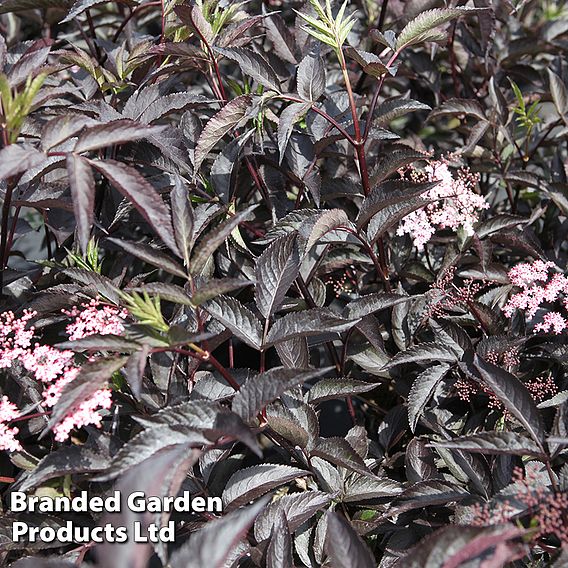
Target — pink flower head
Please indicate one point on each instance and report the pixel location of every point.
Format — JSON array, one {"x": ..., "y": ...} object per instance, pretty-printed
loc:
[
  {"x": 15, "y": 337},
  {"x": 8, "y": 411},
  {"x": 94, "y": 318},
  {"x": 538, "y": 288},
  {"x": 552, "y": 321},
  {"x": 455, "y": 205},
  {"x": 46, "y": 362},
  {"x": 84, "y": 415}
]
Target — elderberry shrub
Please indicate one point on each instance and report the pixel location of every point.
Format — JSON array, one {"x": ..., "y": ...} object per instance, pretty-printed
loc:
[{"x": 306, "y": 261}]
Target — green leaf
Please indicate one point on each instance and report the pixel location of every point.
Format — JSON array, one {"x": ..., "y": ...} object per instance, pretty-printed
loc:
[{"x": 422, "y": 28}]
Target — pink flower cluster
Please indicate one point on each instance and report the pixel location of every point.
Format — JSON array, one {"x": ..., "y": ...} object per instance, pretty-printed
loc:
[
  {"x": 55, "y": 368},
  {"x": 8, "y": 411},
  {"x": 548, "y": 509},
  {"x": 539, "y": 285},
  {"x": 455, "y": 205},
  {"x": 93, "y": 318}
]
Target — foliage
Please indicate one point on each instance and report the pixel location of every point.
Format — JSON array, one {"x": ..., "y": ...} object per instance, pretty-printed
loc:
[{"x": 309, "y": 258}]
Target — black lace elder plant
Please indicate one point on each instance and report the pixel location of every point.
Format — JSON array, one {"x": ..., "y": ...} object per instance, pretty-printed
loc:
[{"x": 307, "y": 258}]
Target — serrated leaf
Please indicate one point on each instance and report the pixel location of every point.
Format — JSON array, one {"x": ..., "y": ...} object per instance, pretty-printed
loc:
[
  {"x": 364, "y": 488},
  {"x": 391, "y": 215},
  {"x": 216, "y": 287},
  {"x": 514, "y": 396},
  {"x": 316, "y": 321},
  {"x": 369, "y": 62},
  {"x": 294, "y": 353},
  {"x": 317, "y": 226},
  {"x": 452, "y": 546},
  {"x": 193, "y": 17},
  {"x": 297, "y": 507},
  {"x": 254, "y": 65},
  {"x": 494, "y": 442},
  {"x": 249, "y": 483},
  {"x": 219, "y": 125},
  {"x": 388, "y": 194},
  {"x": 7, "y": 6},
  {"x": 17, "y": 158},
  {"x": 209, "y": 417},
  {"x": 422, "y": 28},
  {"x": 279, "y": 551},
  {"x": 266, "y": 387},
  {"x": 215, "y": 238},
  {"x": 151, "y": 255},
  {"x": 275, "y": 271},
  {"x": 344, "y": 546},
  {"x": 427, "y": 494},
  {"x": 395, "y": 108},
  {"x": 97, "y": 282},
  {"x": 93, "y": 376},
  {"x": 559, "y": 94},
  {"x": 288, "y": 117},
  {"x": 146, "y": 444},
  {"x": 329, "y": 389},
  {"x": 453, "y": 107},
  {"x": 82, "y": 185},
  {"x": 225, "y": 165},
  {"x": 142, "y": 195},
  {"x": 338, "y": 451},
  {"x": 79, "y": 7},
  {"x": 390, "y": 162},
  {"x": 422, "y": 390},
  {"x": 61, "y": 128},
  {"x": 498, "y": 223},
  {"x": 97, "y": 342},
  {"x": 422, "y": 353},
  {"x": 111, "y": 133},
  {"x": 372, "y": 303},
  {"x": 182, "y": 218},
  {"x": 166, "y": 104},
  {"x": 168, "y": 292},
  {"x": 68, "y": 460},
  {"x": 240, "y": 320},
  {"x": 213, "y": 544},
  {"x": 311, "y": 77}
]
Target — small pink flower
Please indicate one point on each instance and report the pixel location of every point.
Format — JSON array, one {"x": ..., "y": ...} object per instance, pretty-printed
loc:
[
  {"x": 94, "y": 318},
  {"x": 8, "y": 411},
  {"x": 456, "y": 204},
  {"x": 552, "y": 321},
  {"x": 55, "y": 368},
  {"x": 46, "y": 362},
  {"x": 87, "y": 413},
  {"x": 538, "y": 288}
]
